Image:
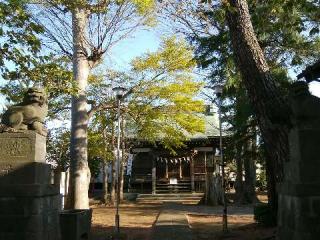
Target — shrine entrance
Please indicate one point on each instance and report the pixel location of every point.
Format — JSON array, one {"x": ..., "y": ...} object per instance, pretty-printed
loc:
[
  {"x": 174, "y": 171},
  {"x": 173, "y": 175},
  {"x": 155, "y": 170},
  {"x": 172, "y": 168}
]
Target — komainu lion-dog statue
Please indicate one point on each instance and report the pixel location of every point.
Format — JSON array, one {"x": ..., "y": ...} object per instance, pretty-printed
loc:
[{"x": 27, "y": 115}]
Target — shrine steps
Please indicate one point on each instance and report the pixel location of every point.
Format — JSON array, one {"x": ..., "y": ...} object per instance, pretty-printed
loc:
[
  {"x": 182, "y": 186},
  {"x": 160, "y": 198}
]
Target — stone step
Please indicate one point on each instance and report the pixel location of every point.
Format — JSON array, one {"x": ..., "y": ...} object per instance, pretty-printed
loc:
[
  {"x": 172, "y": 187},
  {"x": 166, "y": 191},
  {"x": 173, "y": 195},
  {"x": 167, "y": 184},
  {"x": 165, "y": 198},
  {"x": 178, "y": 180},
  {"x": 182, "y": 201},
  {"x": 185, "y": 198}
]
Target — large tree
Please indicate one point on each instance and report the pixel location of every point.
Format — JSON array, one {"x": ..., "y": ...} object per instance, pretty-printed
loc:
[
  {"x": 269, "y": 104},
  {"x": 286, "y": 35},
  {"x": 85, "y": 30}
]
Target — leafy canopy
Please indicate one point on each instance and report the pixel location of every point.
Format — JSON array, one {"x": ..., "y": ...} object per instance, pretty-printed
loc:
[
  {"x": 19, "y": 43},
  {"x": 164, "y": 106}
]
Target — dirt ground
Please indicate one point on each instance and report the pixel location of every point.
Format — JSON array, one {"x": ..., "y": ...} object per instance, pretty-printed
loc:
[
  {"x": 241, "y": 227},
  {"x": 136, "y": 221}
]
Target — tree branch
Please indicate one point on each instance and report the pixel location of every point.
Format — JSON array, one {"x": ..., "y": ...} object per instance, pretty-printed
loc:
[
  {"x": 100, "y": 107},
  {"x": 100, "y": 5}
]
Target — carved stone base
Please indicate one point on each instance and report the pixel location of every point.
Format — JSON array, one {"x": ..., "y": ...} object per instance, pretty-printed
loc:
[
  {"x": 304, "y": 164},
  {"x": 29, "y": 204},
  {"x": 299, "y": 211},
  {"x": 299, "y": 194},
  {"x": 21, "y": 148},
  {"x": 29, "y": 212}
]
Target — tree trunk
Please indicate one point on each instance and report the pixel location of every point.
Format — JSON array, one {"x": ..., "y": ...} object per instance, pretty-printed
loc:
[
  {"x": 264, "y": 94},
  {"x": 121, "y": 181},
  {"x": 215, "y": 194},
  {"x": 239, "y": 196},
  {"x": 113, "y": 166},
  {"x": 80, "y": 172},
  {"x": 105, "y": 189},
  {"x": 113, "y": 183},
  {"x": 105, "y": 183},
  {"x": 249, "y": 167},
  {"x": 215, "y": 190}
]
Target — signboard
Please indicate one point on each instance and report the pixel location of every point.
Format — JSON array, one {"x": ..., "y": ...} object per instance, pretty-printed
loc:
[{"x": 173, "y": 181}]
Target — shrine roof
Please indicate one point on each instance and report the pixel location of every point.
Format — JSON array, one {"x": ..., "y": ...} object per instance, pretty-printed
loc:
[{"x": 211, "y": 130}]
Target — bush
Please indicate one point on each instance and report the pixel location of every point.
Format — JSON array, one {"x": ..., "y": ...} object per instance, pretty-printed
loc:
[{"x": 265, "y": 215}]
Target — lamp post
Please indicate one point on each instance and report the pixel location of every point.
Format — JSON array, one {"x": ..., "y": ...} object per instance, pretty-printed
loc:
[
  {"x": 119, "y": 92},
  {"x": 218, "y": 91}
]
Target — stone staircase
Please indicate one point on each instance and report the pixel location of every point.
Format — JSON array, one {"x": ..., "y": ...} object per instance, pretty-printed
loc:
[
  {"x": 182, "y": 186},
  {"x": 184, "y": 198}
]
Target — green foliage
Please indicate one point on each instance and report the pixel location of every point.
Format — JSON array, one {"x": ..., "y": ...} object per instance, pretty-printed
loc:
[
  {"x": 18, "y": 35},
  {"x": 261, "y": 182},
  {"x": 97, "y": 146},
  {"x": 167, "y": 111},
  {"x": 173, "y": 56},
  {"x": 22, "y": 65},
  {"x": 287, "y": 30},
  {"x": 264, "y": 215},
  {"x": 164, "y": 106},
  {"x": 58, "y": 151},
  {"x": 100, "y": 139},
  {"x": 144, "y": 5},
  {"x": 54, "y": 74},
  {"x": 95, "y": 164}
]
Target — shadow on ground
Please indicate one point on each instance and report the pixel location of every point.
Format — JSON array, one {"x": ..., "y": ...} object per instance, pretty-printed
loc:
[{"x": 101, "y": 232}]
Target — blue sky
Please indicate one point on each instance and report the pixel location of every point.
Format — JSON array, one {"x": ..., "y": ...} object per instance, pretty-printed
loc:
[{"x": 143, "y": 41}]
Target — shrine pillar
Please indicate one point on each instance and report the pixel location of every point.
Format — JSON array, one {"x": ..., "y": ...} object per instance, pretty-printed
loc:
[
  {"x": 154, "y": 175},
  {"x": 192, "y": 174}
]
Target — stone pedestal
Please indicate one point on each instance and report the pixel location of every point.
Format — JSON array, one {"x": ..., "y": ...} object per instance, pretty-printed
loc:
[
  {"x": 29, "y": 204},
  {"x": 299, "y": 195}
]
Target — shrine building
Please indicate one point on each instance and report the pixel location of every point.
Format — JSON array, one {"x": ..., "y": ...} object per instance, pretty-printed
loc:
[{"x": 156, "y": 170}]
